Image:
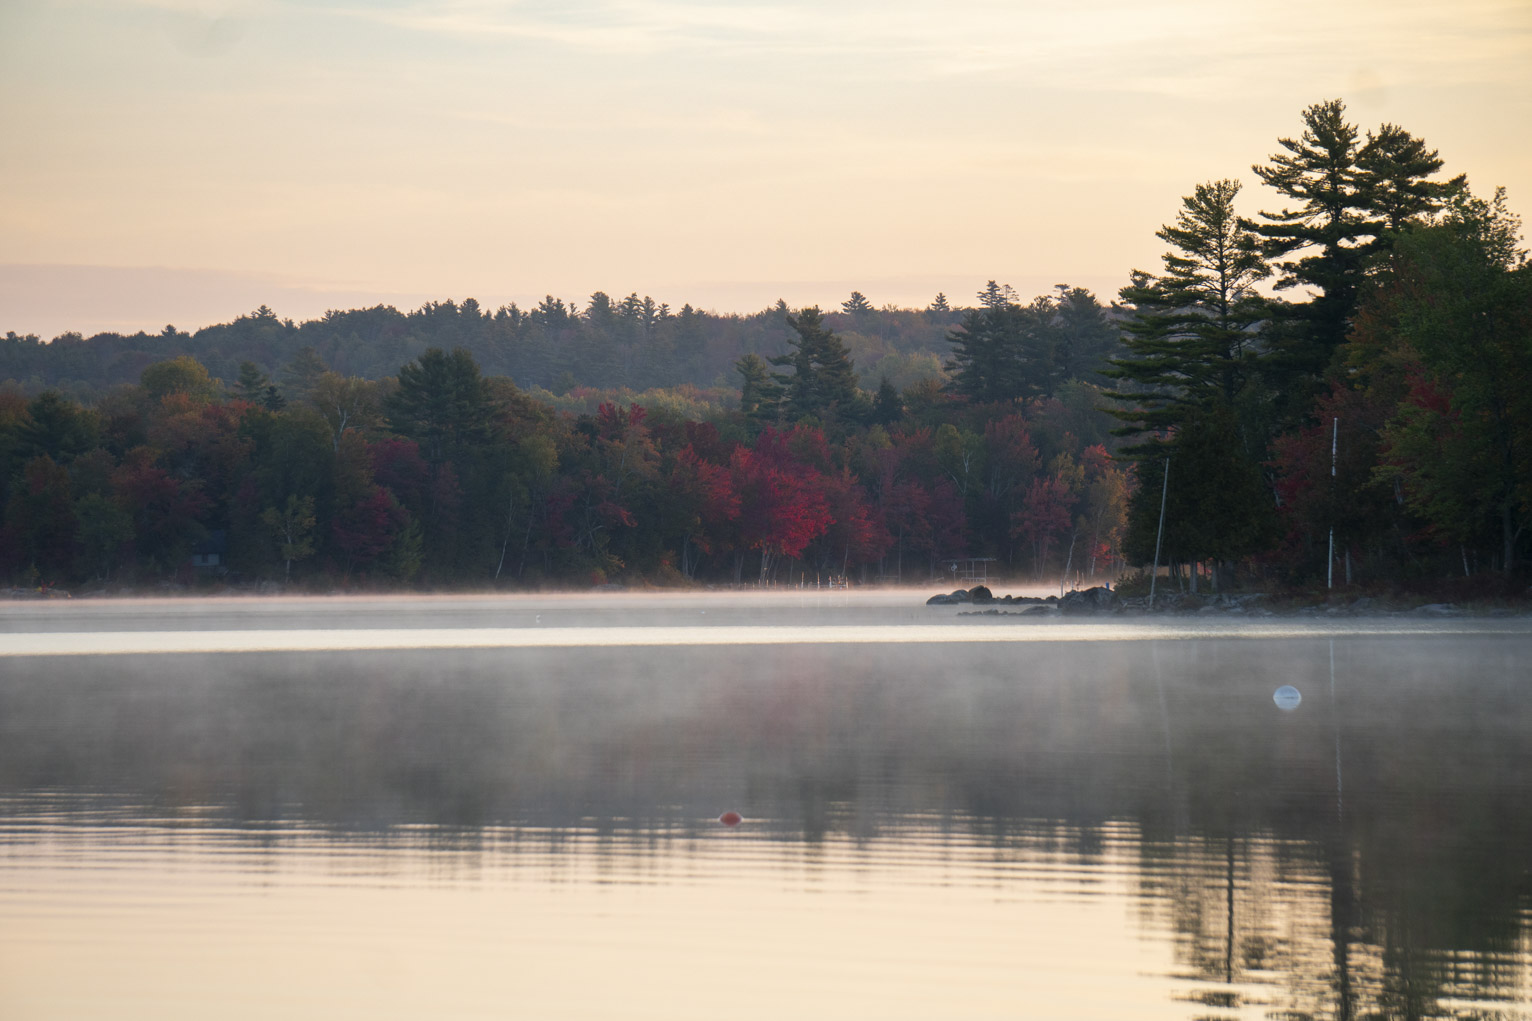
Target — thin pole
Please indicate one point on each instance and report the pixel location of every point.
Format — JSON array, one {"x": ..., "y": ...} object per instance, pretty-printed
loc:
[
  {"x": 1155, "y": 576},
  {"x": 1330, "y": 562}
]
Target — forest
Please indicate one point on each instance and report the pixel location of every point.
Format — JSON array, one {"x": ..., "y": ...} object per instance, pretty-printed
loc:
[{"x": 1334, "y": 388}]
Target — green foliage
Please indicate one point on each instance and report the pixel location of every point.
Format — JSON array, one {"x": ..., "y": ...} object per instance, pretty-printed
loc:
[
  {"x": 1350, "y": 198},
  {"x": 643, "y": 467},
  {"x": 1193, "y": 336},
  {"x": 1459, "y": 293},
  {"x": 1004, "y": 352},
  {"x": 182, "y": 375},
  {"x": 887, "y": 406},
  {"x": 441, "y": 403},
  {"x": 1217, "y": 504},
  {"x": 291, "y": 528},
  {"x": 56, "y": 428},
  {"x": 856, "y": 305},
  {"x": 822, "y": 383},
  {"x": 759, "y": 393},
  {"x": 257, "y": 388},
  {"x": 104, "y": 530}
]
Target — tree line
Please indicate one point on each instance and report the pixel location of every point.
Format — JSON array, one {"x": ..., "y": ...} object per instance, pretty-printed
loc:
[
  {"x": 1380, "y": 428},
  {"x": 443, "y": 476},
  {"x": 801, "y": 444}
]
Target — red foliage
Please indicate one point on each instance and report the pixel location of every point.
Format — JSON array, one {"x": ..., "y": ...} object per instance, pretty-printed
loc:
[
  {"x": 367, "y": 529},
  {"x": 783, "y": 505},
  {"x": 164, "y": 509},
  {"x": 1044, "y": 511},
  {"x": 398, "y": 466}
]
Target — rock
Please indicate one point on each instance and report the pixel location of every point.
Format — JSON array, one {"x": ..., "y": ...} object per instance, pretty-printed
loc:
[
  {"x": 1092, "y": 600},
  {"x": 981, "y": 594},
  {"x": 942, "y": 599},
  {"x": 1436, "y": 610},
  {"x": 1039, "y": 610}
]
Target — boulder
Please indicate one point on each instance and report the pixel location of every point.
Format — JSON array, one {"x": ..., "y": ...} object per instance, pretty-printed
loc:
[{"x": 1092, "y": 600}]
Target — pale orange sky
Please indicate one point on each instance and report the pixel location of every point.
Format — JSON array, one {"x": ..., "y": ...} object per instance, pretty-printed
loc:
[{"x": 186, "y": 160}]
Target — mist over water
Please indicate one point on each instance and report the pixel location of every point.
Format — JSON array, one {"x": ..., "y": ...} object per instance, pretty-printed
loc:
[{"x": 1146, "y": 826}]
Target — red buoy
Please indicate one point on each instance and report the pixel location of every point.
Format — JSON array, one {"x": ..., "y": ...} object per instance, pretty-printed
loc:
[{"x": 731, "y": 818}]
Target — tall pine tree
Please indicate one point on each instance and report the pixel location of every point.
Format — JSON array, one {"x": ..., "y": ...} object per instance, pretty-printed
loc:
[
  {"x": 1193, "y": 337},
  {"x": 1350, "y": 198},
  {"x": 823, "y": 382}
]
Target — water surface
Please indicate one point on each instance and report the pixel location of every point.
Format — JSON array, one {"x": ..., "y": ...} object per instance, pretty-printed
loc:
[{"x": 985, "y": 819}]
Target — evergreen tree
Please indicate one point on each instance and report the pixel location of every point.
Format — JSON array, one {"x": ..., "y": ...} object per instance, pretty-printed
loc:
[
  {"x": 1397, "y": 169},
  {"x": 1217, "y": 504},
  {"x": 442, "y": 403},
  {"x": 257, "y": 388},
  {"x": 759, "y": 392},
  {"x": 887, "y": 407},
  {"x": 1350, "y": 197},
  {"x": 1327, "y": 230},
  {"x": 300, "y": 374},
  {"x": 857, "y": 304},
  {"x": 1192, "y": 338},
  {"x": 1080, "y": 335},
  {"x": 997, "y": 354},
  {"x": 823, "y": 382}
]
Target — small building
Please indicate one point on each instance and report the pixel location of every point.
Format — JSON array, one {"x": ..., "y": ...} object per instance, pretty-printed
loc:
[{"x": 211, "y": 553}]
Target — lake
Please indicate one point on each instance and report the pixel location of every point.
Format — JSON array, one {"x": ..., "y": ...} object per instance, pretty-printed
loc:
[{"x": 509, "y": 806}]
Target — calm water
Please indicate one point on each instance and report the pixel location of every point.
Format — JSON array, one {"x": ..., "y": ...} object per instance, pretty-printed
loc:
[{"x": 507, "y": 808}]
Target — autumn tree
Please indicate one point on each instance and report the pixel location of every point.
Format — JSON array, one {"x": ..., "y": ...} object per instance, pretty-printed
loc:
[
  {"x": 181, "y": 375},
  {"x": 292, "y": 530},
  {"x": 1459, "y": 292}
]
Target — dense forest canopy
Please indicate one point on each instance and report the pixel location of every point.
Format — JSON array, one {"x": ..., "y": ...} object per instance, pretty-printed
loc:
[{"x": 1339, "y": 379}]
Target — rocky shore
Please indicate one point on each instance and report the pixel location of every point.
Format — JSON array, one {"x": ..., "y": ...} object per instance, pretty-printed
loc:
[{"x": 1102, "y": 601}]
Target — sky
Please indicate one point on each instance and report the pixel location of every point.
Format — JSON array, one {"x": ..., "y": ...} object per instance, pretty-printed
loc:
[{"x": 184, "y": 161}]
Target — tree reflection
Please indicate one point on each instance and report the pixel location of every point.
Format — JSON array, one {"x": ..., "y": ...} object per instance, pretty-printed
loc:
[{"x": 1364, "y": 856}]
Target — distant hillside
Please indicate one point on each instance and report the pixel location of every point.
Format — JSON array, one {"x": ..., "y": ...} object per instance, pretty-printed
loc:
[{"x": 630, "y": 343}]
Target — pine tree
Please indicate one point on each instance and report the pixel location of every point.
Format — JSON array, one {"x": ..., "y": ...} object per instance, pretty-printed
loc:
[
  {"x": 1192, "y": 339},
  {"x": 1324, "y": 239},
  {"x": 442, "y": 403},
  {"x": 1351, "y": 198},
  {"x": 857, "y": 304},
  {"x": 759, "y": 392},
  {"x": 1397, "y": 168},
  {"x": 887, "y": 407},
  {"x": 823, "y": 382},
  {"x": 1080, "y": 336},
  {"x": 300, "y": 374},
  {"x": 998, "y": 352}
]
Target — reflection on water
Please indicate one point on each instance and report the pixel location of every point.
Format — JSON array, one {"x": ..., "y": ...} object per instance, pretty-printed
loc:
[{"x": 1123, "y": 829}]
